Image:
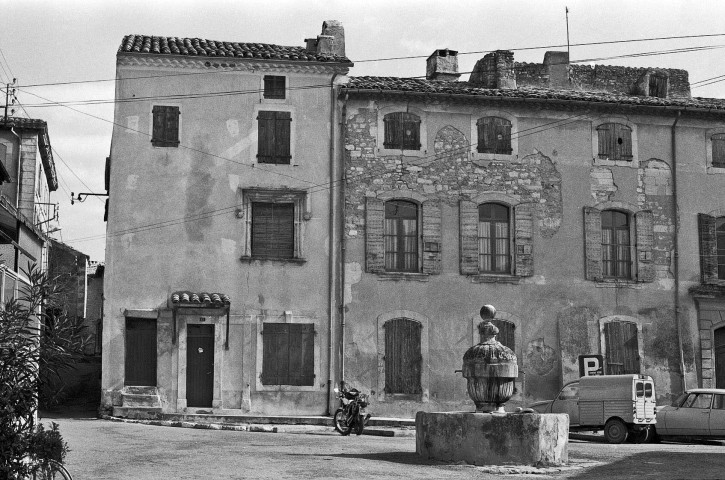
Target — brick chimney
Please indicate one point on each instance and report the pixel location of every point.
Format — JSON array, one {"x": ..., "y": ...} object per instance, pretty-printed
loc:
[
  {"x": 557, "y": 66},
  {"x": 330, "y": 42},
  {"x": 442, "y": 65},
  {"x": 495, "y": 70}
]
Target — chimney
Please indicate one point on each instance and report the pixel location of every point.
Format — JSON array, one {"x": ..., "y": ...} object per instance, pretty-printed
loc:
[
  {"x": 442, "y": 65},
  {"x": 495, "y": 70},
  {"x": 557, "y": 66},
  {"x": 330, "y": 42}
]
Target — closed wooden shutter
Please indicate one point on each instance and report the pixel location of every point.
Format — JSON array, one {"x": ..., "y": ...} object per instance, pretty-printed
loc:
[
  {"x": 432, "y": 237},
  {"x": 658, "y": 86},
  {"x": 524, "y": 239},
  {"x": 403, "y": 359},
  {"x": 374, "y": 229},
  {"x": 707, "y": 226},
  {"x": 165, "y": 129},
  {"x": 615, "y": 141},
  {"x": 288, "y": 356},
  {"x": 718, "y": 150},
  {"x": 593, "y": 243},
  {"x": 273, "y": 230},
  {"x": 494, "y": 135},
  {"x": 622, "y": 347},
  {"x": 506, "y": 333},
  {"x": 273, "y": 137},
  {"x": 274, "y": 86},
  {"x": 644, "y": 224},
  {"x": 402, "y": 131},
  {"x": 468, "y": 217}
]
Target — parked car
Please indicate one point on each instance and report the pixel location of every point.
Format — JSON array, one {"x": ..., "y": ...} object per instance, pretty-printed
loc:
[
  {"x": 622, "y": 405},
  {"x": 697, "y": 413}
]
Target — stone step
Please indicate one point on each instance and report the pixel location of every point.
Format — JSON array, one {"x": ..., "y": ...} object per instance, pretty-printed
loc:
[
  {"x": 133, "y": 400},
  {"x": 138, "y": 413},
  {"x": 135, "y": 390}
]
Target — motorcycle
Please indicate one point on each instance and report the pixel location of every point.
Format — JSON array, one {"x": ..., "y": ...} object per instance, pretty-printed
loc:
[{"x": 351, "y": 414}]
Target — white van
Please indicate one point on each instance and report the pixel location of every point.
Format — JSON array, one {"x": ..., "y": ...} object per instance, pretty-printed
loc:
[{"x": 622, "y": 405}]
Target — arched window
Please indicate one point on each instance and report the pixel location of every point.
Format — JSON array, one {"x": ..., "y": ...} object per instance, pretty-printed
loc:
[
  {"x": 401, "y": 236},
  {"x": 402, "y": 131},
  {"x": 494, "y": 238},
  {"x": 616, "y": 245},
  {"x": 403, "y": 359},
  {"x": 615, "y": 141},
  {"x": 494, "y": 135},
  {"x": 622, "y": 347}
]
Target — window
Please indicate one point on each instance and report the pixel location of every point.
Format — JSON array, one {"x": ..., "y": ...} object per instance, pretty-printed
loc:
[
  {"x": 288, "y": 354},
  {"x": 494, "y": 135},
  {"x": 401, "y": 236},
  {"x": 493, "y": 238},
  {"x": 274, "y": 137},
  {"x": 402, "y": 131},
  {"x": 165, "y": 131},
  {"x": 615, "y": 141},
  {"x": 274, "y": 86},
  {"x": 505, "y": 334},
  {"x": 403, "y": 359},
  {"x": 719, "y": 402},
  {"x": 273, "y": 229},
  {"x": 658, "y": 86},
  {"x": 611, "y": 241},
  {"x": 622, "y": 347},
  {"x": 569, "y": 392},
  {"x": 718, "y": 150},
  {"x": 712, "y": 248},
  {"x": 616, "y": 260},
  {"x": 703, "y": 400}
]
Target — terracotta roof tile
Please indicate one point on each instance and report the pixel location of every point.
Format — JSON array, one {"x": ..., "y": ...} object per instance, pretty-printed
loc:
[
  {"x": 416, "y": 85},
  {"x": 199, "y": 298},
  {"x": 213, "y": 48}
]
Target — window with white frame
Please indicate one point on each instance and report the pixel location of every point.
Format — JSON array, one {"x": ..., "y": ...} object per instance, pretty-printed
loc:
[{"x": 273, "y": 224}]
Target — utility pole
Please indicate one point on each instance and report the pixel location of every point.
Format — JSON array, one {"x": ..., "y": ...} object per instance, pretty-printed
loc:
[
  {"x": 568, "y": 53},
  {"x": 9, "y": 98}
]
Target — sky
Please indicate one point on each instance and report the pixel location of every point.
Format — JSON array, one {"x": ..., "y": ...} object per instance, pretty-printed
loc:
[{"x": 53, "y": 42}]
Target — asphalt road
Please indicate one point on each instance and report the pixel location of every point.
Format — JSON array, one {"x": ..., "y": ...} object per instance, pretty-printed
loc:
[{"x": 102, "y": 449}]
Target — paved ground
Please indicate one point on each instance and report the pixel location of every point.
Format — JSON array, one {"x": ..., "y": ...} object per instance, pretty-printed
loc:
[{"x": 102, "y": 449}]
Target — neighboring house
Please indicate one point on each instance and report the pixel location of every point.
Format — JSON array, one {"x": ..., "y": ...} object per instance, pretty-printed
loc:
[
  {"x": 27, "y": 177},
  {"x": 219, "y": 292},
  {"x": 548, "y": 190}
]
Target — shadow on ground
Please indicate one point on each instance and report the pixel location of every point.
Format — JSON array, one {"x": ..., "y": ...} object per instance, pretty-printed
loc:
[
  {"x": 403, "y": 458},
  {"x": 659, "y": 465}
]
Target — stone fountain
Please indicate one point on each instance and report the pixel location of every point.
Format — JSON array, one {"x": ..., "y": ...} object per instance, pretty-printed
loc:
[{"x": 490, "y": 435}]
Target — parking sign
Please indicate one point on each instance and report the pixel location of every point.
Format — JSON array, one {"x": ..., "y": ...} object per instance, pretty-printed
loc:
[{"x": 591, "y": 365}]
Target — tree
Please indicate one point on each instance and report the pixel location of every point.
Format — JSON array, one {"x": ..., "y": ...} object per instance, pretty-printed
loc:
[{"x": 35, "y": 347}]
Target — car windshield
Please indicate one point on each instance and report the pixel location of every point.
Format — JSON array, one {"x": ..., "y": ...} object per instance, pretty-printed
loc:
[{"x": 678, "y": 401}]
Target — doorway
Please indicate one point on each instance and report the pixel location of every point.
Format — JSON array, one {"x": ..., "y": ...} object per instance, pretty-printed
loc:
[
  {"x": 199, "y": 365},
  {"x": 140, "y": 352}
]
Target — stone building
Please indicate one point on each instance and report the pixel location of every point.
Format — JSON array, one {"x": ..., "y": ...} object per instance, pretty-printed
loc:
[
  {"x": 219, "y": 275},
  {"x": 584, "y": 202}
]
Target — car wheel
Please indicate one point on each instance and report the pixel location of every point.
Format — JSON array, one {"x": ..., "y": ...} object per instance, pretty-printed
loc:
[{"x": 615, "y": 431}]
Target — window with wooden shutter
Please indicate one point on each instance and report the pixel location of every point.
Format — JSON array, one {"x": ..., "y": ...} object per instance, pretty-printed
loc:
[
  {"x": 165, "y": 131},
  {"x": 658, "y": 86},
  {"x": 494, "y": 238},
  {"x": 622, "y": 347},
  {"x": 506, "y": 333},
  {"x": 403, "y": 358},
  {"x": 615, "y": 141},
  {"x": 273, "y": 230},
  {"x": 401, "y": 236},
  {"x": 274, "y": 86},
  {"x": 616, "y": 246},
  {"x": 402, "y": 131},
  {"x": 718, "y": 150},
  {"x": 288, "y": 354},
  {"x": 494, "y": 135},
  {"x": 274, "y": 137},
  {"x": 720, "y": 234}
]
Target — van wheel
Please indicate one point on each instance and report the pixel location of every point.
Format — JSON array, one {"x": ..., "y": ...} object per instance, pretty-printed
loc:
[{"x": 615, "y": 431}]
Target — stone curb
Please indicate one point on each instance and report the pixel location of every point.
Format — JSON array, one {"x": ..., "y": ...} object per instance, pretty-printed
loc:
[{"x": 201, "y": 426}]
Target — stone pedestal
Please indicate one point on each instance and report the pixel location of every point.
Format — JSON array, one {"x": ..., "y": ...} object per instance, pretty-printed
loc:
[{"x": 493, "y": 438}]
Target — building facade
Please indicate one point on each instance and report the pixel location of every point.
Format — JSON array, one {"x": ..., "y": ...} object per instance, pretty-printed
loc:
[
  {"x": 584, "y": 202},
  {"x": 218, "y": 275}
]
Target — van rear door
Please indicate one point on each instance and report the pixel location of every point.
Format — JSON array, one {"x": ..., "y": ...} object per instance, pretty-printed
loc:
[{"x": 644, "y": 401}]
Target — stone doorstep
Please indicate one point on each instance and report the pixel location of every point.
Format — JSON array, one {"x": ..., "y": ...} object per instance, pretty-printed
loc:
[
  {"x": 135, "y": 400},
  {"x": 137, "y": 412},
  {"x": 131, "y": 390}
]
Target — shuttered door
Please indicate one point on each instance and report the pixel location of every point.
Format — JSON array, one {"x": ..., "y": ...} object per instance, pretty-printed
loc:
[
  {"x": 403, "y": 358},
  {"x": 273, "y": 230},
  {"x": 622, "y": 348},
  {"x": 140, "y": 352},
  {"x": 505, "y": 333},
  {"x": 719, "y": 347},
  {"x": 288, "y": 354}
]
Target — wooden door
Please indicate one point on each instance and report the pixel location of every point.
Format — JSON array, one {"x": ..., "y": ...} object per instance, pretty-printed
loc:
[
  {"x": 719, "y": 347},
  {"x": 403, "y": 358},
  {"x": 199, "y": 365},
  {"x": 140, "y": 352}
]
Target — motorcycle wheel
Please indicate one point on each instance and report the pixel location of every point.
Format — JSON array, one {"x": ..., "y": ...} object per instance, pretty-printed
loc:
[
  {"x": 359, "y": 424},
  {"x": 341, "y": 422}
]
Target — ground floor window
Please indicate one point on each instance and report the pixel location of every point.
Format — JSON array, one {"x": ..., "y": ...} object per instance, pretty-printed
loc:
[
  {"x": 403, "y": 359},
  {"x": 288, "y": 356}
]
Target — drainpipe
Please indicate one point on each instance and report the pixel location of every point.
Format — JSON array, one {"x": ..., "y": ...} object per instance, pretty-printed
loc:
[
  {"x": 676, "y": 248},
  {"x": 333, "y": 258},
  {"x": 343, "y": 245}
]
